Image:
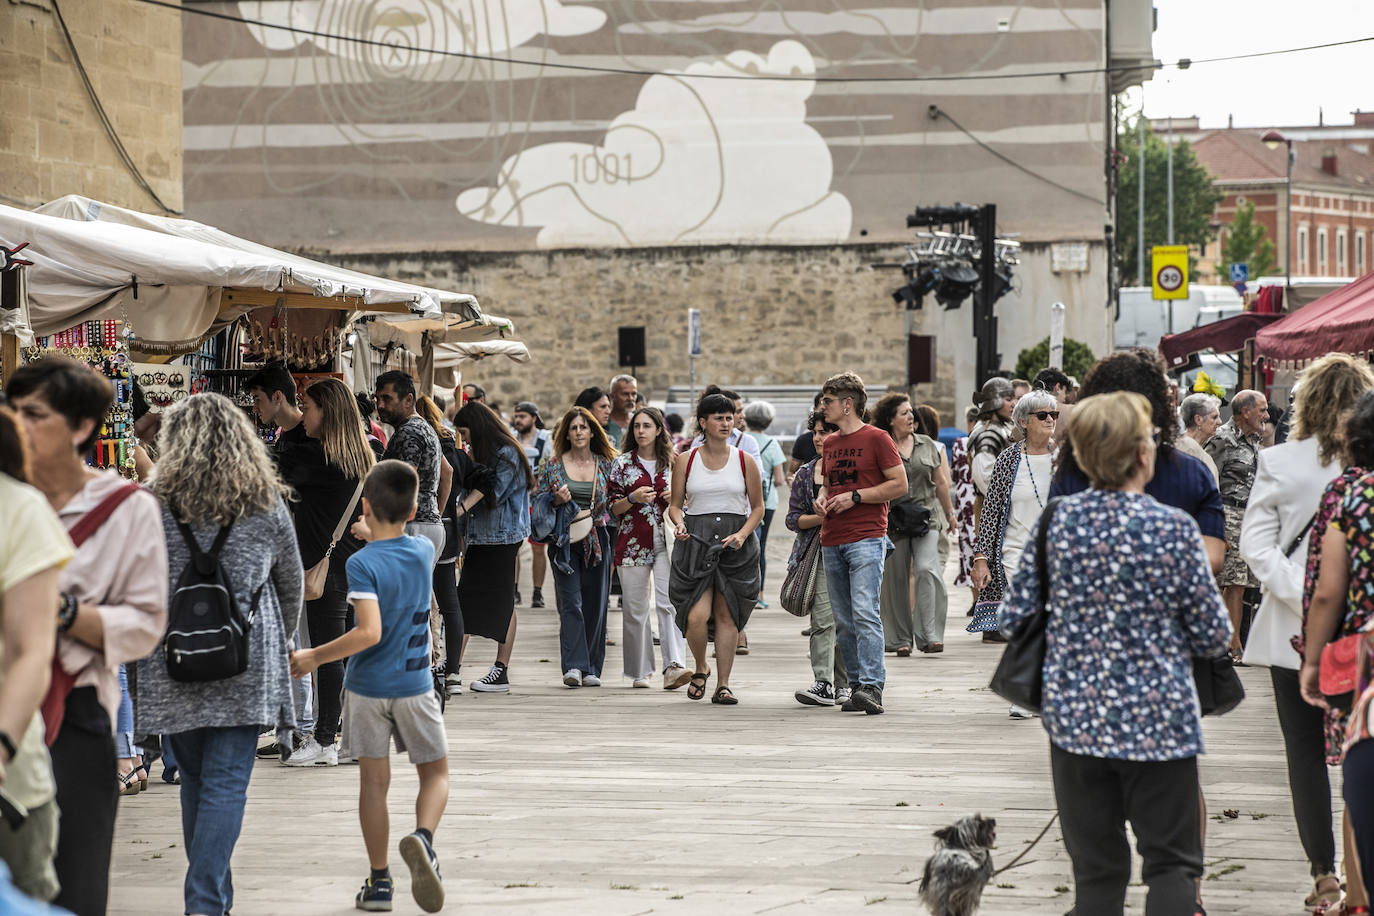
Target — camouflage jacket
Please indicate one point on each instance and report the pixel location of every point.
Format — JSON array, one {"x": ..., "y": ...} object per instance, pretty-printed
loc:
[{"x": 1236, "y": 457}]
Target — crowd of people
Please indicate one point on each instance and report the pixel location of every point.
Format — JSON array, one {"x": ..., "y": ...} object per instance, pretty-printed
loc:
[{"x": 359, "y": 552}]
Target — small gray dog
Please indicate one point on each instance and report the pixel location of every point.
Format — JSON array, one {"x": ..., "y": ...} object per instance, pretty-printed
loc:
[{"x": 961, "y": 866}]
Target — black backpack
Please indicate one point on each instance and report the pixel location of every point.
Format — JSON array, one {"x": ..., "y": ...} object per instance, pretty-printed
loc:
[{"x": 207, "y": 635}]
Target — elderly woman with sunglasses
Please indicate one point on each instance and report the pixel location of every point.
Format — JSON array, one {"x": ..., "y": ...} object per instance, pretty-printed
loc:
[{"x": 1017, "y": 492}]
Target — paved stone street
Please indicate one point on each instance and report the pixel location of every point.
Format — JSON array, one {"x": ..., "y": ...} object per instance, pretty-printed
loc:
[{"x": 622, "y": 801}]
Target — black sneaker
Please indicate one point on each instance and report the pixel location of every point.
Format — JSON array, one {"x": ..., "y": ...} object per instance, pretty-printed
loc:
[
  {"x": 818, "y": 694},
  {"x": 272, "y": 749},
  {"x": 537, "y": 599},
  {"x": 494, "y": 682},
  {"x": 375, "y": 897},
  {"x": 517, "y": 598},
  {"x": 425, "y": 884},
  {"x": 869, "y": 699}
]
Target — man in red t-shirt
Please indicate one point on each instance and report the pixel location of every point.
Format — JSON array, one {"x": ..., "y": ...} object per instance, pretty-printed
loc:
[{"x": 862, "y": 473}]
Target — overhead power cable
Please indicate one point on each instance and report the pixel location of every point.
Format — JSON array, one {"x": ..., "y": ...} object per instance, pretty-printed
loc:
[
  {"x": 1181, "y": 64},
  {"x": 936, "y": 112},
  {"x": 120, "y": 149}
]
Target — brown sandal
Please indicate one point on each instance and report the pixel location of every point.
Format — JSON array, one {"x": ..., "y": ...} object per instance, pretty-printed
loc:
[
  {"x": 724, "y": 696},
  {"x": 696, "y": 687}
]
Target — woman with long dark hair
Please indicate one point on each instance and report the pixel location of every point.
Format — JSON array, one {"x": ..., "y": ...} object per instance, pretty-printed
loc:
[
  {"x": 325, "y": 472},
  {"x": 597, "y": 402},
  {"x": 114, "y": 608},
  {"x": 446, "y": 567},
  {"x": 497, "y": 509},
  {"x": 717, "y": 502},
  {"x": 639, "y": 497},
  {"x": 216, "y": 481},
  {"x": 579, "y": 473}
]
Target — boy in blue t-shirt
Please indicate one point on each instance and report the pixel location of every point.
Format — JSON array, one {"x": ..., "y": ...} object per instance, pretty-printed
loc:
[{"x": 388, "y": 688}]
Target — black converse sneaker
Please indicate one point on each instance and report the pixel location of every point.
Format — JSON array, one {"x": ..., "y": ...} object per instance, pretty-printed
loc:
[
  {"x": 818, "y": 694},
  {"x": 494, "y": 682}
]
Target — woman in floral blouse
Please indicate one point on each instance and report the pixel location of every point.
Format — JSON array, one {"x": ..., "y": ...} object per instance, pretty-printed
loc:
[
  {"x": 579, "y": 471},
  {"x": 639, "y": 497},
  {"x": 1131, "y": 602}
]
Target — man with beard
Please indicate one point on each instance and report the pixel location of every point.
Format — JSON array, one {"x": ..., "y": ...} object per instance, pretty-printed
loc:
[
  {"x": 414, "y": 441},
  {"x": 624, "y": 390},
  {"x": 534, "y": 439}
]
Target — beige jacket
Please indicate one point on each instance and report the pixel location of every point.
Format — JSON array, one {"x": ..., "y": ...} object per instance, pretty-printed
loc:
[{"x": 122, "y": 569}]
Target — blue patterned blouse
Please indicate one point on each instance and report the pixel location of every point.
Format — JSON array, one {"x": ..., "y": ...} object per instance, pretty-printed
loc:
[{"x": 1133, "y": 600}]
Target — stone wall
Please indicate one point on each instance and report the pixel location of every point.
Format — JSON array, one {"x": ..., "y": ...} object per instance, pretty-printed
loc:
[
  {"x": 51, "y": 140},
  {"x": 770, "y": 316}
]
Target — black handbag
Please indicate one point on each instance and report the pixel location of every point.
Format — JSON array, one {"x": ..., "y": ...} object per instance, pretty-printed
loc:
[
  {"x": 1219, "y": 689},
  {"x": 908, "y": 520},
  {"x": 1020, "y": 675}
]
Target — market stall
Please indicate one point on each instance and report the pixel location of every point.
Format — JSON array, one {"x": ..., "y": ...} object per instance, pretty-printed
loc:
[{"x": 1342, "y": 321}]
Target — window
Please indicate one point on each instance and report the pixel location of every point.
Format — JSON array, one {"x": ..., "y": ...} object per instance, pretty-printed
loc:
[
  {"x": 1341, "y": 239},
  {"x": 1359, "y": 253},
  {"x": 1302, "y": 250},
  {"x": 1321, "y": 252}
]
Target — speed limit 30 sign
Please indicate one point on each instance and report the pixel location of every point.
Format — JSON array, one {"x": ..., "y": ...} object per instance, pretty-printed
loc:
[{"x": 1170, "y": 266}]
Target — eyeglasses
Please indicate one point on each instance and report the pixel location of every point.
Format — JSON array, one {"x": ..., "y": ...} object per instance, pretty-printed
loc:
[{"x": 1043, "y": 415}]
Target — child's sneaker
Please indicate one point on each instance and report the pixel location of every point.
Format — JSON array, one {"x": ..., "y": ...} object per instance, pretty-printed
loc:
[
  {"x": 375, "y": 896},
  {"x": 425, "y": 885}
]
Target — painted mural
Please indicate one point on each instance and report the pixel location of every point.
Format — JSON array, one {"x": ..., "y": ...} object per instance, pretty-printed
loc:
[{"x": 384, "y": 124}]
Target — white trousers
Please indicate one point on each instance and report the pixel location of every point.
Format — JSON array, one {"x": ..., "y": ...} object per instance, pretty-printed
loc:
[{"x": 636, "y": 635}]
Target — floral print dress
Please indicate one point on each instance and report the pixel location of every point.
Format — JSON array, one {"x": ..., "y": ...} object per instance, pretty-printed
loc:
[
  {"x": 1356, "y": 523},
  {"x": 963, "y": 493}
]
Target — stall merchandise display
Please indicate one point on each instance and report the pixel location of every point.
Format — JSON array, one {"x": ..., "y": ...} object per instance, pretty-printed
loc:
[{"x": 100, "y": 345}]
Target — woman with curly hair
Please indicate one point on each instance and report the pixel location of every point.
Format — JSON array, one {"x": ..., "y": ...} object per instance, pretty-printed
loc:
[
  {"x": 579, "y": 472},
  {"x": 220, "y": 492},
  {"x": 1298, "y": 488}
]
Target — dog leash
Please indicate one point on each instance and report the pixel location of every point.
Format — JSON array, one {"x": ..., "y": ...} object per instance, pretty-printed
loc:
[{"x": 1038, "y": 838}]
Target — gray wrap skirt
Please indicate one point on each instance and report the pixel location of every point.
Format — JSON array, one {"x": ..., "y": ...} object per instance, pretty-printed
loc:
[{"x": 700, "y": 563}]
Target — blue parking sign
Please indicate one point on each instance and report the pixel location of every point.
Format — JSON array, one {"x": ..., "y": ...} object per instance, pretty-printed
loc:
[{"x": 1240, "y": 273}]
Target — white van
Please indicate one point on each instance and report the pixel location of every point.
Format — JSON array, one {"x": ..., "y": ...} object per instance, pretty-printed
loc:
[{"x": 1143, "y": 320}]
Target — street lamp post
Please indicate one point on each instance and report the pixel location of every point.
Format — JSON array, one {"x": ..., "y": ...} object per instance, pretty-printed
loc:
[{"x": 1272, "y": 140}]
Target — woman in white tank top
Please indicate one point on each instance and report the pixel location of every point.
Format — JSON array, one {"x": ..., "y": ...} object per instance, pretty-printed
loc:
[{"x": 715, "y": 574}]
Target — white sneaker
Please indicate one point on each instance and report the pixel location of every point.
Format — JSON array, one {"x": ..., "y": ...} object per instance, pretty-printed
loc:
[
  {"x": 591, "y": 680},
  {"x": 842, "y": 695},
  {"x": 641, "y": 682},
  {"x": 453, "y": 685},
  {"x": 1016, "y": 712},
  {"x": 307, "y": 755},
  {"x": 675, "y": 676},
  {"x": 572, "y": 677}
]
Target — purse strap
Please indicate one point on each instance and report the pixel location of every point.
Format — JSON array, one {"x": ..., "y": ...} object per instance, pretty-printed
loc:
[
  {"x": 1288, "y": 551},
  {"x": 1041, "y": 538},
  {"x": 343, "y": 522}
]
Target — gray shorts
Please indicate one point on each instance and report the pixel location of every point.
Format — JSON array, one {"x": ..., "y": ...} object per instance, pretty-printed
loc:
[{"x": 415, "y": 723}]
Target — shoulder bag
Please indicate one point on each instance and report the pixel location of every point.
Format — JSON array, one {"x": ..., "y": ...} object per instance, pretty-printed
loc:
[
  {"x": 798, "y": 593},
  {"x": 908, "y": 520},
  {"x": 1020, "y": 675},
  {"x": 315, "y": 575},
  {"x": 61, "y": 683}
]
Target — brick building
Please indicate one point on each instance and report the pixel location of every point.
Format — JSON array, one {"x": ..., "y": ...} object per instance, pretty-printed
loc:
[{"x": 1333, "y": 193}]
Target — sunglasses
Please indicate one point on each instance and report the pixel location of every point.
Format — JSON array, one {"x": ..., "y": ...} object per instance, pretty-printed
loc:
[{"x": 1043, "y": 415}]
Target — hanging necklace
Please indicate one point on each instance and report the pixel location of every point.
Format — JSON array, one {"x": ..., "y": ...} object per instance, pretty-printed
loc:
[{"x": 1031, "y": 474}]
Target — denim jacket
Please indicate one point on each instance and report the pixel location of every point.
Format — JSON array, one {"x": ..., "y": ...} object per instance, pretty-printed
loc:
[
  {"x": 549, "y": 524},
  {"x": 509, "y": 521},
  {"x": 552, "y": 476}
]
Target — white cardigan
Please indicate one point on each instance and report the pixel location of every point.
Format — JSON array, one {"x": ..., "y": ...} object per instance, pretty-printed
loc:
[{"x": 1289, "y": 483}]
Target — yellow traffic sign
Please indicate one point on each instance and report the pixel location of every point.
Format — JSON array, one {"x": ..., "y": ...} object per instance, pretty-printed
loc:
[{"x": 1170, "y": 267}]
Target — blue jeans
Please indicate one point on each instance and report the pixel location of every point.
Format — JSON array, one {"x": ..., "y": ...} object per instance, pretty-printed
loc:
[
  {"x": 582, "y": 597},
  {"x": 216, "y": 764},
  {"x": 124, "y": 720},
  {"x": 854, "y": 576}
]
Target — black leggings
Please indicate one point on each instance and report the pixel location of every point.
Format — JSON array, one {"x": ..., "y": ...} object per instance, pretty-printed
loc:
[
  {"x": 83, "y": 761},
  {"x": 1359, "y": 800},
  {"x": 327, "y": 619},
  {"x": 1304, "y": 741},
  {"x": 446, "y": 594}
]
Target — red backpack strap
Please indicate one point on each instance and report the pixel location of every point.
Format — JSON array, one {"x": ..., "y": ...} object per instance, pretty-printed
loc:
[
  {"x": 687, "y": 472},
  {"x": 742, "y": 471},
  {"x": 90, "y": 523}
]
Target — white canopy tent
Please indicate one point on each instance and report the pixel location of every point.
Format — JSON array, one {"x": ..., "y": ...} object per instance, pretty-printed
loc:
[{"x": 176, "y": 281}]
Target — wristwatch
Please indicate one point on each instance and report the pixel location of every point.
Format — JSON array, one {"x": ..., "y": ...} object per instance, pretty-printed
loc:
[
  {"x": 855, "y": 497},
  {"x": 66, "y": 614}
]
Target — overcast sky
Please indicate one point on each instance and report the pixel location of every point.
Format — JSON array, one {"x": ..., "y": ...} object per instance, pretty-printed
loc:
[{"x": 1285, "y": 89}]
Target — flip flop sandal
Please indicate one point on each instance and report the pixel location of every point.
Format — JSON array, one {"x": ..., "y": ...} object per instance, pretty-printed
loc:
[
  {"x": 695, "y": 690},
  {"x": 724, "y": 697}
]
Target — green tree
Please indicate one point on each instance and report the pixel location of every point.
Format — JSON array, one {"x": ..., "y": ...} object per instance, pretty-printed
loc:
[
  {"x": 1195, "y": 198},
  {"x": 1246, "y": 244},
  {"x": 1078, "y": 359}
]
